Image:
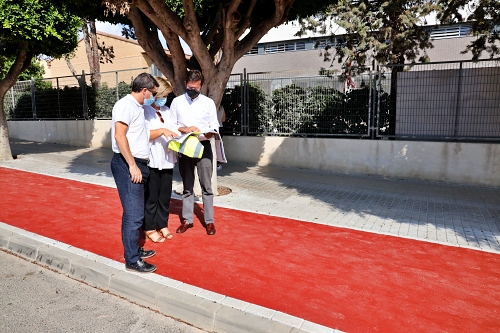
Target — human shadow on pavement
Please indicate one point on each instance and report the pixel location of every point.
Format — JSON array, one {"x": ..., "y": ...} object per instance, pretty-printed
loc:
[{"x": 22, "y": 147}]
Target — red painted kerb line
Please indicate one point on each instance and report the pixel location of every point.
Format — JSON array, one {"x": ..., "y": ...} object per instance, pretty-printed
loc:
[{"x": 345, "y": 279}]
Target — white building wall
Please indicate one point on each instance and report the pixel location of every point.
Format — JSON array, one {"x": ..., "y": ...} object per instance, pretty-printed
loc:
[{"x": 468, "y": 163}]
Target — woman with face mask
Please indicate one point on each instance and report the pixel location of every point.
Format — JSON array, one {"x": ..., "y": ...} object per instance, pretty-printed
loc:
[{"x": 161, "y": 164}]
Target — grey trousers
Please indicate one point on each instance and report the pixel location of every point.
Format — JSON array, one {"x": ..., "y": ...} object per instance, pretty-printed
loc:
[{"x": 204, "y": 167}]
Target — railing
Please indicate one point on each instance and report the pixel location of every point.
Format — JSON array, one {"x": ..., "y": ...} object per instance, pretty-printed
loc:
[
  {"x": 443, "y": 101},
  {"x": 68, "y": 97},
  {"x": 450, "y": 101}
]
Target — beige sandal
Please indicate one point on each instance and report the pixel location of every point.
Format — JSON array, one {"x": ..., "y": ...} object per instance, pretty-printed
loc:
[
  {"x": 166, "y": 233},
  {"x": 156, "y": 239}
]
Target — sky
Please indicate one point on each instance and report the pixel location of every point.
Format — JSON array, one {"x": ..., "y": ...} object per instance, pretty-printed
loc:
[
  {"x": 113, "y": 29},
  {"x": 286, "y": 31},
  {"x": 116, "y": 29},
  {"x": 283, "y": 32}
]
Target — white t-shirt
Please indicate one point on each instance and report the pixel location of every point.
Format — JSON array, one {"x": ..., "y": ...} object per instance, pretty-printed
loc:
[
  {"x": 199, "y": 112},
  {"x": 129, "y": 111},
  {"x": 160, "y": 157}
]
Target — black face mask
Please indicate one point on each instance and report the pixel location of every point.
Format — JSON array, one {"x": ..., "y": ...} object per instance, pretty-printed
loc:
[{"x": 192, "y": 93}]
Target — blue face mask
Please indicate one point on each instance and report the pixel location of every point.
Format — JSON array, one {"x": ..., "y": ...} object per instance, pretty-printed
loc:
[
  {"x": 161, "y": 101},
  {"x": 149, "y": 100}
]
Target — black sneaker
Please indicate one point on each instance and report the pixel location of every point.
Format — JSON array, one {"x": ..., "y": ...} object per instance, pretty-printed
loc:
[
  {"x": 141, "y": 267},
  {"x": 145, "y": 254}
]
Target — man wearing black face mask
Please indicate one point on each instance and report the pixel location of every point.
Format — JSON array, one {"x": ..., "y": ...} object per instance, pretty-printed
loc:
[{"x": 196, "y": 113}]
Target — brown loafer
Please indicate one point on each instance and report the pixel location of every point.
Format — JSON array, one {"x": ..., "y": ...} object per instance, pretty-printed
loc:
[
  {"x": 210, "y": 229},
  {"x": 183, "y": 227}
]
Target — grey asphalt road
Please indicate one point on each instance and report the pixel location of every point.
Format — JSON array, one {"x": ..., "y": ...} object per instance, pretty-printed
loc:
[{"x": 35, "y": 299}]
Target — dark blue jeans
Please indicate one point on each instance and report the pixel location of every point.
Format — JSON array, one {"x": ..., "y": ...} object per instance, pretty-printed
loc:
[{"x": 132, "y": 199}]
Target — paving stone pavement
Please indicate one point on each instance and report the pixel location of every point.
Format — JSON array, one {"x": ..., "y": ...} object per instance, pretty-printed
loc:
[{"x": 446, "y": 213}]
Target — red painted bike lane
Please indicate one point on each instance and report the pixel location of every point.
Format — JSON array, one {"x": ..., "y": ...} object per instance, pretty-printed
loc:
[{"x": 345, "y": 279}]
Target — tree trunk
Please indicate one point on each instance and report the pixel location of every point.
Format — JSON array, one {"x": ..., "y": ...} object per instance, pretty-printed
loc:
[
  {"x": 23, "y": 61},
  {"x": 222, "y": 38},
  {"x": 5, "y": 152},
  {"x": 92, "y": 51},
  {"x": 147, "y": 37},
  {"x": 215, "y": 51},
  {"x": 71, "y": 68}
]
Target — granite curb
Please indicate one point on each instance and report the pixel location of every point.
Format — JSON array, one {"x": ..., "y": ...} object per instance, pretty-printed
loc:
[{"x": 201, "y": 308}]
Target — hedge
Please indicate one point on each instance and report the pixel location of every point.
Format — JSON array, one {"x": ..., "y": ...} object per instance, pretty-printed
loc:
[{"x": 290, "y": 110}]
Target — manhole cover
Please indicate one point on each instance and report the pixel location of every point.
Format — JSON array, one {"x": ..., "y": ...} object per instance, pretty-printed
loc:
[{"x": 224, "y": 190}]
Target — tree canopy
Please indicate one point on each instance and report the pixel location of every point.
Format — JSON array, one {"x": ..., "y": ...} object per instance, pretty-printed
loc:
[
  {"x": 30, "y": 28},
  {"x": 396, "y": 31},
  {"x": 41, "y": 27},
  {"x": 485, "y": 18},
  {"x": 387, "y": 31},
  {"x": 35, "y": 69}
]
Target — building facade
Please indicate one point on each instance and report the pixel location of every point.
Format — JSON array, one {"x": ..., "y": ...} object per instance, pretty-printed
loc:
[
  {"x": 280, "y": 50},
  {"x": 128, "y": 55}
]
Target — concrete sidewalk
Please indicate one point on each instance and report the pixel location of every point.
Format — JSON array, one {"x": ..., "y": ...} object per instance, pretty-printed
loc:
[{"x": 452, "y": 214}]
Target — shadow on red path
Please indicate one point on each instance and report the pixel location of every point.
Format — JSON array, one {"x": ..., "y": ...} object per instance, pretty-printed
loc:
[{"x": 345, "y": 279}]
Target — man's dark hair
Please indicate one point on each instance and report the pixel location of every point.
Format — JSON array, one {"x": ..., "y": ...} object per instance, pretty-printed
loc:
[
  {"x": 144, "y": 80},
  {"x": 195, "y": 75}
]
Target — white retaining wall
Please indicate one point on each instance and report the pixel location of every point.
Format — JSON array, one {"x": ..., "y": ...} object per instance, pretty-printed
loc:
[
  {"x": 79, "y": 133},
  {"x": 468, "y": 163}
]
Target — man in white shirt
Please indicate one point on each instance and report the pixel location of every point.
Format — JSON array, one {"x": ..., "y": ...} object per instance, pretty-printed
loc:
[
  {"x": 129, "y": 165},
  {"x": 196, "y": 113}
]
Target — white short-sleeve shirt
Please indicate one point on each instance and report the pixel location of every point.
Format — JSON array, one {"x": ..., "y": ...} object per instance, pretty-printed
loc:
[
  {"x": 200, "y": 112},
  {"x": 130, "y": 112},
  {"x": 160, "y": 157}
]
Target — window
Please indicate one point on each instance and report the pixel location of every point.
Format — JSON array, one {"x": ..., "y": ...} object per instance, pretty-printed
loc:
[
  {"x": 300, "y": 46},
  {"x": 290, "y": 47},
  {"x": 254, "y": 50},
  {"x": 271, "y": 48},
  {"x": 285, "y": 47},
  {"x": 322, "y": 43},
  {"x": 450, "y": 32}
]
